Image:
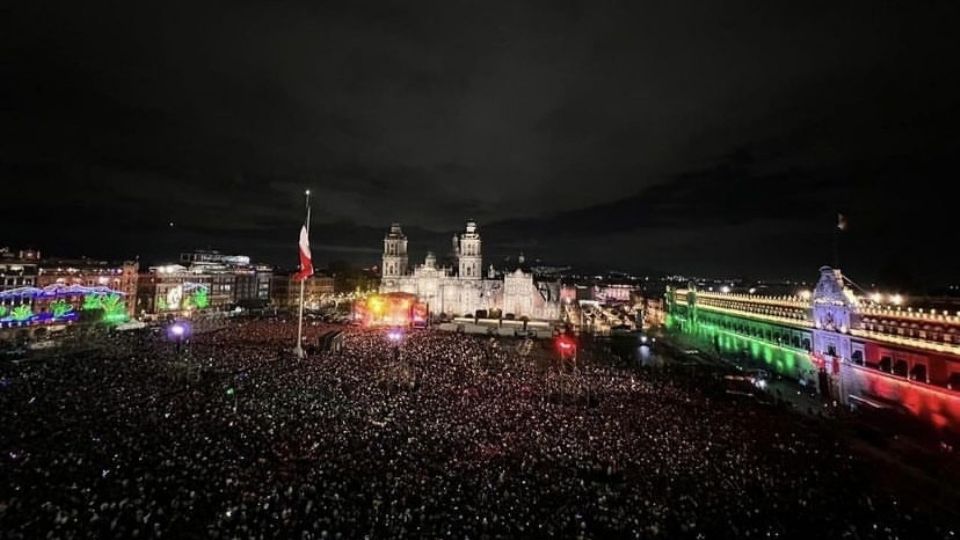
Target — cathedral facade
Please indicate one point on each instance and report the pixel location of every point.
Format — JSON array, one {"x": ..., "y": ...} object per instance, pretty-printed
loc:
[{"x": 462, "y": 289}]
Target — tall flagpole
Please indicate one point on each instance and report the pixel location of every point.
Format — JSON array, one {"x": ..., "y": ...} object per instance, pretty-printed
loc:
[{"x": 299, "y": 349}]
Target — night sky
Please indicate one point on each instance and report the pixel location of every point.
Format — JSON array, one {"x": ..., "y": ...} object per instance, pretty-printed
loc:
[{"x": 695, "y": 137}]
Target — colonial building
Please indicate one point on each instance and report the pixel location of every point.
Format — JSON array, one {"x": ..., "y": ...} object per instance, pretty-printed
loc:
[
  {"x": 174, "y": 289},
  {"x": 463, "y": 289},
  {"x": 285, "y": 291},
  {"x": 85, "y": 272},
  {"x": 18, "y": 268},
  {"x": 251, "y": 282},
  {"x": 52, "y": 293},
  {"x": 853, "y": 348}
]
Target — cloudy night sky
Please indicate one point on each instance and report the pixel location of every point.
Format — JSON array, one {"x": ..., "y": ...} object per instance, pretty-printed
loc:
[{"x": 694, "y": 137}]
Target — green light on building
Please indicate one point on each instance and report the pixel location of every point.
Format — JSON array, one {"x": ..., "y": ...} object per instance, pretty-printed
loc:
[
  {"x": 60, "y": 309},
  {"x": 21, "y": 313},
  {"x": 201, "y": 298}
]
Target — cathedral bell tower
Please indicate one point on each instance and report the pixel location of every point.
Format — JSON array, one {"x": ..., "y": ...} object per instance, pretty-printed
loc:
[
  {"x": 394, "y": 253},
  {"x": 469, "y": 257}
]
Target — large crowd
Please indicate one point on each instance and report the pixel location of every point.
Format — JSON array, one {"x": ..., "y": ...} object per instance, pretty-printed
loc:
[{"x": 124, "y": 441}]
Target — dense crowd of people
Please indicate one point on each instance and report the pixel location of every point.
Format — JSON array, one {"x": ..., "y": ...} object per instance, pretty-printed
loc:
[{"x": 118, "y": 443}]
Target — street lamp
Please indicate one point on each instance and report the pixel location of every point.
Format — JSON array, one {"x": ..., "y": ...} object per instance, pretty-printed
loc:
[
  {"x": 395, "y": 336},
  {"x": 177, "y": 332}
]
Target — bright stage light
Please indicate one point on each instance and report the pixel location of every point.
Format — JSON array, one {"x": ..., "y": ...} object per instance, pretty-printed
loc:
[
  {"x": 391, "y": 310},
  {"x": 178, "y": 330},
  {"x": 394, "y": 335}
]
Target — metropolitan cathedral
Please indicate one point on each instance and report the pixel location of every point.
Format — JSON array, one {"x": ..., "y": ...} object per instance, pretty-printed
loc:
[{"x": 463, "y": 289}]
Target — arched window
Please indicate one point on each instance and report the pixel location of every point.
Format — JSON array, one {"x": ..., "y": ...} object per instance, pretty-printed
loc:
[
  {"x": 919, "y": 372},
  {"x": 900, "y": 367},
  {"x": 857, "y": 357},
  {"x": 886, "y": 364}
]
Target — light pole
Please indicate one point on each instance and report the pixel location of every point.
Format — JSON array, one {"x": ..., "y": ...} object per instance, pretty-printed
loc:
[
  {"x": 299, "y": 348},
  {"x": 396, "y": 337},
  {"x": 178, "y": 331}
]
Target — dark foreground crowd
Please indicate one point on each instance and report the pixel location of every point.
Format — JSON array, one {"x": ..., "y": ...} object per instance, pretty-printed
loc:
[{"x": 235, "y": 439}]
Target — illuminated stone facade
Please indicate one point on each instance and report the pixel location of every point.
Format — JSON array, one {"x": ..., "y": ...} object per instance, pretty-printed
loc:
[
  {"x": 90, "y": 273},
  {"x": 466, "y": 291},
  {"x": 852, "y": 347}
]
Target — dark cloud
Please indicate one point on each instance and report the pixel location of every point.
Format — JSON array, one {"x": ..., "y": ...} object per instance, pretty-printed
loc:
[{"x": 679, "y": 136}]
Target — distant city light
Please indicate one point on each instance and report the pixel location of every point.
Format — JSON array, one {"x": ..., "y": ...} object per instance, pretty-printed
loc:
[
  {"x": 876, "y": 297},
  {"x": 896, "y": 299}
]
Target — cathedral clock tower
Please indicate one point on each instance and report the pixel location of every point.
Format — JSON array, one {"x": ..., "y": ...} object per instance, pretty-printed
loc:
[
  {"x": 470, "y": 259},
  {"x": 395, "y": 259}
]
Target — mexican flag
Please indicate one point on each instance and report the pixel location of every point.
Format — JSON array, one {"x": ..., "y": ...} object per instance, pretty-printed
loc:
[{"x": 306, "y": 262}]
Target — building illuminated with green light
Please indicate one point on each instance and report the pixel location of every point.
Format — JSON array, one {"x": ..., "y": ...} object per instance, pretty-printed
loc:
[
  {"x": 857, "y": 349},
  {"x": 773, "y": 332}
]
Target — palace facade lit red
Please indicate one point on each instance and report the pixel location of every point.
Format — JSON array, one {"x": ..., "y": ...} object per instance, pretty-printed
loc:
[{"x": 854, "y": 348}]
